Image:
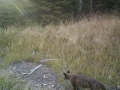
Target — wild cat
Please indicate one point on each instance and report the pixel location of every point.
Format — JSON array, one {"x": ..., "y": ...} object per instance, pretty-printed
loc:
[{"x": 83, "y": 81}]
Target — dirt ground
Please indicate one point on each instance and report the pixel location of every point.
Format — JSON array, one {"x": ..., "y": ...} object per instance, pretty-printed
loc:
[{"x": 43, "y": 78}]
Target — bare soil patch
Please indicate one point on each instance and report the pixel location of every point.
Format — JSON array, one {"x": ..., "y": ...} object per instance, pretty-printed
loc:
[{"x": 43, "y": 78}]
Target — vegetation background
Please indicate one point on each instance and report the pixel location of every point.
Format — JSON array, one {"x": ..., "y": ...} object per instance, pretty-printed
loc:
[
  {"x": 83, "y": 34},
  {"x": 44, "y": 12}
]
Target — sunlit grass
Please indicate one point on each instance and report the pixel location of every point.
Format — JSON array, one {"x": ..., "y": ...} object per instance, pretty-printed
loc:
[{"x": 90, "y": 46}]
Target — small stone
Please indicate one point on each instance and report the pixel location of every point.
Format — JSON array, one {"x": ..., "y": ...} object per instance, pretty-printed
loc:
[
  {"x": 44, "y": 76},
  {"x": 53, "y": 85},
  {"x": 24, "y": 74},
  {"x": 45, "y": 84},
  {"x": 49, "y": 87}
]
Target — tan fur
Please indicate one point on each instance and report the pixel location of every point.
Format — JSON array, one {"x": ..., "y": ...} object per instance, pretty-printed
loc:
[{"x": 83, "y": 81}]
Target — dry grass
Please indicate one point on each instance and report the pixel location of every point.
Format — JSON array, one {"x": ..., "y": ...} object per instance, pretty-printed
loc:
[{"x": 90, "y": 46}]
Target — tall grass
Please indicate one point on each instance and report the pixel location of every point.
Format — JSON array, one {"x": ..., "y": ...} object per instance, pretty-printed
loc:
[{"x": 90, "y": 46}]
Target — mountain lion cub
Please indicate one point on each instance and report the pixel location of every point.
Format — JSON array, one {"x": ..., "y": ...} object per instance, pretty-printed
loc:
[{"x": 83, "y": 81}]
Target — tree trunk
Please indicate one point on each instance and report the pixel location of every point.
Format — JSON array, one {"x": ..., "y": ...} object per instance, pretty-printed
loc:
[
  {"x": 80, "y": 6},
  {"x": 90, "y": 4}
]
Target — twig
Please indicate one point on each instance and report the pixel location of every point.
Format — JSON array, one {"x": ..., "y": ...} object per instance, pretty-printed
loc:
[
  {"x": 45, "y": 60},
  {"x": 34, "y": 69}
]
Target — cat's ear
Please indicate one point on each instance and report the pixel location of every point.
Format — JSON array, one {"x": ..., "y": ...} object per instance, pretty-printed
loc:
[
  {"x": 64, "y": 74},
  {"x": 68, "y": 71}
]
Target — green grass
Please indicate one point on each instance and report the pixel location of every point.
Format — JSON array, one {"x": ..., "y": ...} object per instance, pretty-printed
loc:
[
  {"x": 90, "y": 46},
  {"x": 10, "y": 82}
]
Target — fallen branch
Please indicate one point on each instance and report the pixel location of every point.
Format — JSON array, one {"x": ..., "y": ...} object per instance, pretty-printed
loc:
[
  {"x": 34, "y": 69},
  {"x": 45, "y": 60}
]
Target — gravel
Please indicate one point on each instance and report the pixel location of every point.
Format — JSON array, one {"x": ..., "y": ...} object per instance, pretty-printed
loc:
[{"x": 43, "y": 78}]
